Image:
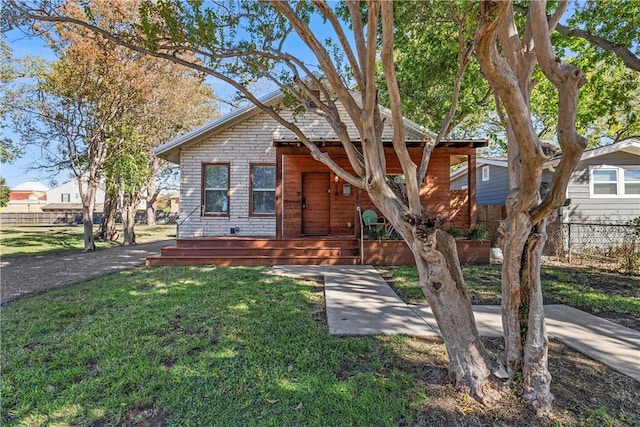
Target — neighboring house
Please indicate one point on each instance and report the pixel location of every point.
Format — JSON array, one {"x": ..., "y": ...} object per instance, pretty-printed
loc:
[
  {"x": 244, "y": 174},
  {"x": 66, "y": 198},
  {"x": 604, "y": 187},
  {"x": 26, "y": 197}
]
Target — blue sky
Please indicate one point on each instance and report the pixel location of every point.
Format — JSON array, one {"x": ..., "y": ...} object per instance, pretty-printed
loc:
[
  {"x": 21, "y": 170},
  {"x": 25, "y": 168}
]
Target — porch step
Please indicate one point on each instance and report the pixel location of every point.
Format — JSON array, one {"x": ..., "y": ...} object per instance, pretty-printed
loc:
[
  {"x": 227, "y": 251},
  {"x": 251, "y": 260},
  {"x": 273, "y": 252}
]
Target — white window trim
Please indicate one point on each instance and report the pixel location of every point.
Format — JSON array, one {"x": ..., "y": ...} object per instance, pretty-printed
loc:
[
  {"x": 620, "y": 182},
  {"x": 485, "y": 173}
]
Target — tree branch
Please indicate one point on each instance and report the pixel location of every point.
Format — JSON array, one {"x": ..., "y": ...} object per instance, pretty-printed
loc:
[
  {"x": 567, "y": 79},
  {"x": 408, "y": 167},
  {"x": 630, "y": 60}
]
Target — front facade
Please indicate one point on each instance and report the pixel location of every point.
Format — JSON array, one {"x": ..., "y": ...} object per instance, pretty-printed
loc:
[
  {"x": 605, "y": 186},
  {"x": 244, "y": 175}
]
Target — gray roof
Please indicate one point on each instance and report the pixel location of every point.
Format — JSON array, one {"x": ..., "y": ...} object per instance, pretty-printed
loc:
[{"x": 170, "y": 152}]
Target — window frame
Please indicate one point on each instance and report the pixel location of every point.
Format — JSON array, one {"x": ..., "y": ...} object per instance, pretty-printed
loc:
[
  {"x": 620, "y": 182},
  {"x": 203, "y": 189},
  {"x": 251, "y": 190},
  {"x": 485, "y": 176},
  {"x": 62, "y": 197}
]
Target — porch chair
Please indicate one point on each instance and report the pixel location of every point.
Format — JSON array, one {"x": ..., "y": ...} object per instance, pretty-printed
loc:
[{"x": 372, "y": 221}]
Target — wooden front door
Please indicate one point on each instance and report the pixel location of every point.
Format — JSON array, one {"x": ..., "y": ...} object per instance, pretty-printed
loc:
[{"x": 315, "y": 203}]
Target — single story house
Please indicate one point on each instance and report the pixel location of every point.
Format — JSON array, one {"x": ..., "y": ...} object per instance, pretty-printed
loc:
[
  {"x": 248, "y": 184},
  {"x": 604, "y": 187}
]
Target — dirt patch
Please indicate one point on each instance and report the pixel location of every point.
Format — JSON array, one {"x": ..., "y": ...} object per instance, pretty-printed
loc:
[
  {"x": 586, "y": 392},
  {"x": 147, "y": 416}
]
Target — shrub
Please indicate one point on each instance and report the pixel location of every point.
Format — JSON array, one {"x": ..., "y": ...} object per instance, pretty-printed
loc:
[{"x": 477, "y": 233}]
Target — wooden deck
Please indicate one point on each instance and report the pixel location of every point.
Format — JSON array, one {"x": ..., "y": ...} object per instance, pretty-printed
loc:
[{"x": 228, "y": 251}]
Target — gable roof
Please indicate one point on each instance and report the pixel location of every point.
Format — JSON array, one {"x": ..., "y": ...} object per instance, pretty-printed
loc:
[
  {"x": 480, "y": 161},
  {"x": 631, "y": 146},
  {"x": 30, "y": 186},
  {"x": 170, "y": 150}
]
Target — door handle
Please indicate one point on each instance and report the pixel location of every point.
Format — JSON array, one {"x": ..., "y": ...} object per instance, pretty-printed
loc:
[{"x": 304, "y": 203}]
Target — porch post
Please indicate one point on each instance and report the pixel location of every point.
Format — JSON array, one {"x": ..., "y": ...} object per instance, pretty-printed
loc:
[
  {"x": 471, "y": 185},
  {"x": 279, "y": 207}
]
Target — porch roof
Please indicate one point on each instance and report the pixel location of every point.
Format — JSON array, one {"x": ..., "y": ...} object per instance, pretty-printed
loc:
[
  {"x": 459, "y": 147},
  {"x": 448, "y": 143}
]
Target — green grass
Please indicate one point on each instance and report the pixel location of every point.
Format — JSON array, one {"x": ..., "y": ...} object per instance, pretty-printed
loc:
[
  {"x": 595, "y": 290},
  {"x": 200, "y": 346},
  {"x": 32, "y": 240}
]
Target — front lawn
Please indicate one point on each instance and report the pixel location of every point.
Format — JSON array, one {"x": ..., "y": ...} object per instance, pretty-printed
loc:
[
  {"x": 606, "y": 294},
  {"x": 32, "y": 240},
  {"x": 208, "y": 346}
]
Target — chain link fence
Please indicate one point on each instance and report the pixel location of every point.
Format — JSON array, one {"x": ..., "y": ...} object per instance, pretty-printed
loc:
[
  {"x": 596, "y": 244},
  {"x": 609, "y": 245}
]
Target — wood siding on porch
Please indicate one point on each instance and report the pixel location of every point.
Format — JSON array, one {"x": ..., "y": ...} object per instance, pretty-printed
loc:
[{"x": 344, "y": 221}]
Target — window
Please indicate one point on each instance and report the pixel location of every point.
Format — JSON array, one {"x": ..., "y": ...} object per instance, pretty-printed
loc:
[
  {"x": 614, "y": 181},
  {"x": 485, "y": 173},
  {"x": 605, "y": 182},
  {"x": 263, "y": 190},
  {"x": 215, "y": 189},
  {"x": 632, "y": 182},
  {"x": 65, "y": 197}
]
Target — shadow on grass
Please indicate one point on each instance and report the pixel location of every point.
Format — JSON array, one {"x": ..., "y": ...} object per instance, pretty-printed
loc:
[
  {"x": 42, "y": 242},
  {"x": 219, "y": 346}
]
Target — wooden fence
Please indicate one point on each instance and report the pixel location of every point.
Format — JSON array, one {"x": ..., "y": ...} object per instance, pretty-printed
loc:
[
  {"x": 40, "y": 218},
  {"x": 489, "y": 217},
  {"x": 50, "y": 218}
]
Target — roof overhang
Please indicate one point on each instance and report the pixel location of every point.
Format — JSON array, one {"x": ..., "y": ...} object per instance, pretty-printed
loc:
[{"x": 449, "y": 143}]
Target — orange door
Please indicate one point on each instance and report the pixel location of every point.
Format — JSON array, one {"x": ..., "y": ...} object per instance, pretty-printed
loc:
[{"x": 315, "y": 203}]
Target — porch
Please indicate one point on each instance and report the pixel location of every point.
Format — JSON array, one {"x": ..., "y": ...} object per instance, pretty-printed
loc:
[{"x": 235, "y": 251}]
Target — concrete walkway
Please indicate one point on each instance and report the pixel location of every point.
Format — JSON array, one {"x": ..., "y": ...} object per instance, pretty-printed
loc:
[{"x": 360, "y": 302}]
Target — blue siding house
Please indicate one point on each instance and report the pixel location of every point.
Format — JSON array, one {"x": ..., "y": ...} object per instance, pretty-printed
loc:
[{"x": 605, "y": 186}]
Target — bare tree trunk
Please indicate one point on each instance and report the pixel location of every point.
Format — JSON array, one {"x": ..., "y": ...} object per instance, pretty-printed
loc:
[
  {"x": 87, "y": 222},
  {"x": 536, "y": 375},
  {"x": 108, "y": 231},
  {"x": 528, "y": 207},
  {"x": 151, "y": 214},
  {"x": 128, "y": 220},
  {"x": 442, "y": 283},
  {"x": 152, "y": 192},
  {"x": 129, "y": 208},
  {"x": 88, "y": 205}
]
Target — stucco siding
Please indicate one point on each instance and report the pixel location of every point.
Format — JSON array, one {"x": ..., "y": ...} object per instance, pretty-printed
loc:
[{"x": 587, "y": 208}]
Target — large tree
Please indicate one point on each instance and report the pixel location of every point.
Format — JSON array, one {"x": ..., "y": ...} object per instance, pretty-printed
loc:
[
  {"x": 102, "y": 105},
  {"x": 241, "y": 42},
  {"x": 510, "y": 70}
]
